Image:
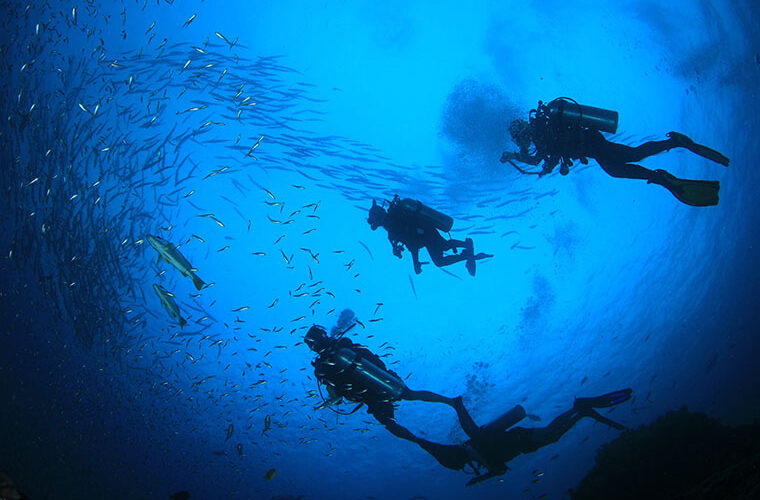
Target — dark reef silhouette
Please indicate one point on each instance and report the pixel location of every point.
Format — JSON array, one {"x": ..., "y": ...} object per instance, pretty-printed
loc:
[{"x": 682, "y": 455}]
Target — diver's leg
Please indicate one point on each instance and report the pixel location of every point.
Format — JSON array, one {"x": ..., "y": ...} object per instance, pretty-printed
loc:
[
  {"x": 628, "y": 171},
  {"x": 530, "y": 440},
  {"x": 598, "y": 147},
  {"x": 450, "y": 456},
  {"x": 627, "y": 154},
  {"x": 685, "y": 142},
  {"x": 611, "y": 151},
  {"x": 396, "y": 429},
  {"x": 465, "y": 420},
  {"x": 585, "y": 406},
  {"x": 416, "y": 259},
  {"x": 436, "y": 245},
  {"x": 428, "y": 396},
  {"x": 441, "y": 260},
  {"x": 696, "y": 193}
]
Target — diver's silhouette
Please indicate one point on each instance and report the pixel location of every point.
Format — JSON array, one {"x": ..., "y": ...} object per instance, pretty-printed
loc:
[
  {"x": 492, "y": 445},
  {"x": 412, "y": 224},
  {"x": 352, "y": 372},
  {"x": 563, "y": 130}
]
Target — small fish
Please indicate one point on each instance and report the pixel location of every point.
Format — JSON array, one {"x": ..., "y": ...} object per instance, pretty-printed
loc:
[
  {"x": 230, "y": 430},
  {"x": 253, "y": 148},
  {"x": 189, "y": 20},
  {"x": 222, "y": 37},
  {"x": 240, "y": 449},
  {"x": 267, "y": 424},
  {"x": 270, "y": 474}
]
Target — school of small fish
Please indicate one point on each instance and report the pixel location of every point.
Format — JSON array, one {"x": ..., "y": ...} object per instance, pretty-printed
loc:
[{"x": 109, "y": 151}]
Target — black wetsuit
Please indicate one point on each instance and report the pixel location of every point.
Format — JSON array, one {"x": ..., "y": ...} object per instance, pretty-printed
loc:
[
  {"x": 344, "y": 383},
  {"x": 550, "y": 143},
  {"x": 416, "y": 233}
]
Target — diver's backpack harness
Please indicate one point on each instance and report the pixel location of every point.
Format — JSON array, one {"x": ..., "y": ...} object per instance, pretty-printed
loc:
[
  {"x": 557, "y": 119},
  {"x": 375, "y": 380}
]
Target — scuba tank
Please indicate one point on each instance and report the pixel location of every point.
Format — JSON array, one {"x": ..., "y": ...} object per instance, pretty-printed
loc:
[
  {"x": 439, "y": 220},
  {"x": 505, "y": 421},
  {"x": 367, "y": 374},
  {"x": 567, "y": 113}
]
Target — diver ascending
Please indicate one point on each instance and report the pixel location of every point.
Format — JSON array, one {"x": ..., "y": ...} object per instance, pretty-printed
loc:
[
  {"x": 352, "y": 372},
  {"x": 563, "y": 130},
  {"x": 412, "y": 224}
]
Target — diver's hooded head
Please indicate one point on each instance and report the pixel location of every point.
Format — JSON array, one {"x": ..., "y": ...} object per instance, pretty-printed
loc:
[
  {"x": 377, "y": 216},
  {"x": 316, "y": 338},
  {"x": 520, "y": 131}
]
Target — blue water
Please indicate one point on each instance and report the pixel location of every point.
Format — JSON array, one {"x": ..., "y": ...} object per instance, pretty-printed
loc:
[{"x": 596, "y": 283}]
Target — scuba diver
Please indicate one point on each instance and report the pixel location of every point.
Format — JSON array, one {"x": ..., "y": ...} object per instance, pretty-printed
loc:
[
  {"x": 490, "y": 446},
  {"x": 352, "y": 372},
  {"x": 412, "y": 224},
  {"x": 563, "y": 130}
]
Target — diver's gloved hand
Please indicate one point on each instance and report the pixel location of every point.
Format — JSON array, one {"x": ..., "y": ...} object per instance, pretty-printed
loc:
[
  {"x": 506, "y": 156},
  {"x": 332, "y": 401}
]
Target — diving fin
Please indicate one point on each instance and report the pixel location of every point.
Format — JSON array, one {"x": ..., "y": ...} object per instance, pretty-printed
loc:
[
  {"x": 703, "y": 151},
  {"x": 605, "y": 400},
  {"x": 585, "y": 406},
  {"x": 589, "y": 412},
  {"x": 469, "y": 253},
  {"x": 694, "y": 193}
]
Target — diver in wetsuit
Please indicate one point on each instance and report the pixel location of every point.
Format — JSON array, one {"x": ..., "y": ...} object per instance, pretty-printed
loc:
[
  {"x": 412, "y": 224},
  {"x": 490, "y": 446},
  {"x": 352, "y": 372},
  {"x": 563, "y": 130}
]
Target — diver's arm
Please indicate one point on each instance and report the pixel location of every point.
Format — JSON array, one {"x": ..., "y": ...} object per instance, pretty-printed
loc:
[{"x": 522, "y": 157}]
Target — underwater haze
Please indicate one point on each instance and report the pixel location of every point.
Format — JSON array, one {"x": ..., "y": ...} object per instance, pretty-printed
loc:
[{"x": 254, "y": 137}]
